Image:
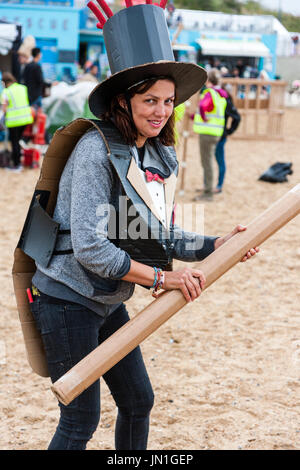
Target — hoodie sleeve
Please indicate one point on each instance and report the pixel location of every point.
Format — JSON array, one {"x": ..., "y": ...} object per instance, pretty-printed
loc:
[{"x": 191, "y": 246}]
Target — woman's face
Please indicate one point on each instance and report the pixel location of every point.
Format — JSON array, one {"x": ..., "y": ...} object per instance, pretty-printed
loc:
[{"x": 152, "y": 109}]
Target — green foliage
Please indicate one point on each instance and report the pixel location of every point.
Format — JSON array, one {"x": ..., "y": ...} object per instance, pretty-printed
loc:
[{"x": 249, "y": 7}]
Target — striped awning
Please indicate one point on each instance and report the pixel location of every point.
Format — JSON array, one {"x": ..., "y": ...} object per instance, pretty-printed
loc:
[{"x": 233, "y": 47}]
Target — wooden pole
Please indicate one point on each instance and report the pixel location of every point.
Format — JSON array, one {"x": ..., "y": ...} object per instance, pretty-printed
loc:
[
  {"x": 111, "y": 351},
  {"x": 185, "y": 135}
]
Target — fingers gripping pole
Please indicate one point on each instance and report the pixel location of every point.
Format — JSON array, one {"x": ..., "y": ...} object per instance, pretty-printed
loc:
[{"x": 111, "y": 351}]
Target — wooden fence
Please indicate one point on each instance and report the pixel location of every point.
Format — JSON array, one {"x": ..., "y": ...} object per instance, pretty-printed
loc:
[{"x": 261, "y": 105}]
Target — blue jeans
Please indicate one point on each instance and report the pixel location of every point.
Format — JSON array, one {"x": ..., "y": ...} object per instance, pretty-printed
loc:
[
  {"x": 70, "y": 332},
  {"x": 220, "y": 157},
  {"x": 37, "y": 103}
]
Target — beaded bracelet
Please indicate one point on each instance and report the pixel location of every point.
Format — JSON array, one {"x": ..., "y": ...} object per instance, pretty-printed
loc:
[
  {"x": 159, "y": 282},
  {"x": 155, "y": 277}
]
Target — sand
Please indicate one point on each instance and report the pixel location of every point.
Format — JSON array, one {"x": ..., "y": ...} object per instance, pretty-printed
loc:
[{"x": 225, "y": 369}]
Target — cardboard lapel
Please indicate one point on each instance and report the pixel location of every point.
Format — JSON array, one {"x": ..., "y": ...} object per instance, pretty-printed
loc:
[{"x": 137, "y": 181}]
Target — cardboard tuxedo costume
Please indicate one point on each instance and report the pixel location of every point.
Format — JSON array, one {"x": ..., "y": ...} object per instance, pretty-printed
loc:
[{"x": 138, "y": 49}]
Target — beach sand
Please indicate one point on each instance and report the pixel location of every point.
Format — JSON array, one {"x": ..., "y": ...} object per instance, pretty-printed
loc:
[{"x": 225, "y": 369}]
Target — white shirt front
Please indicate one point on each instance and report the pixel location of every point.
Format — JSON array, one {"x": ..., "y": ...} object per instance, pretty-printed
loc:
[{"x": 156, "y": 191}]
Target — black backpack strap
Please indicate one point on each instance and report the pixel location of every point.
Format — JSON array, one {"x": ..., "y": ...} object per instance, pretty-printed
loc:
[{"x": 112, "y": 138}]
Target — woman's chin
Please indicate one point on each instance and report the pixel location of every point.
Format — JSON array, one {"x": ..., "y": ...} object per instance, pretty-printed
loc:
[{"x": 154, "y": 132}]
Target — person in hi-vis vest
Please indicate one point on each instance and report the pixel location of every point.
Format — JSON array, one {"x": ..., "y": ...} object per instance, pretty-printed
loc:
[
  {"x": 15, "y": 104},
  {"x": 209, "y": 121}
]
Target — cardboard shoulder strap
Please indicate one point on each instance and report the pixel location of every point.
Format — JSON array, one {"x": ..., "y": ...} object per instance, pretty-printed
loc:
[{"x": 60, "y": 148}]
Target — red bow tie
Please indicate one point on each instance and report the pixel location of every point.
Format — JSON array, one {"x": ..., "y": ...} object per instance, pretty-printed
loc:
[{"x": 154, "y": 177}]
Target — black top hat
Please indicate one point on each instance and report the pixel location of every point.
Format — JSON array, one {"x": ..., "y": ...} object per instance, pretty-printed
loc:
[{"x": 139, "y": 48}]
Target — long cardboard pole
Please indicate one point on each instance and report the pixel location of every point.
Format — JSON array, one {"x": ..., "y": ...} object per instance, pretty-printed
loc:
[{"x": 117, "y": 346}]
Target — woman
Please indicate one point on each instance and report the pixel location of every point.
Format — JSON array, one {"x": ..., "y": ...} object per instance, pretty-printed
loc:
[
  {"x": 71, "y": 330},
  {"x": 125, "y": 170}
]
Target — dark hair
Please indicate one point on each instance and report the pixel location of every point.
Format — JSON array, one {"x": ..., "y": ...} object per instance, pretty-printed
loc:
[
  {"x": 123, "y": 120},
  {"x": 35, "y": 51},
  {"x": 7, "y": 78}
]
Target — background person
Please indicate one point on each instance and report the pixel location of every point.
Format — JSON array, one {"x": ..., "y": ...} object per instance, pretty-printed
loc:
[
  {"x": 24, "y": 58},
  {"x": 34, "y": 79},
  {"x": 15, "y": 104},
  {"x": 209, "y": 121},
  {"x": 91, "y": 73},
  {"x": 230, "y": 112}
]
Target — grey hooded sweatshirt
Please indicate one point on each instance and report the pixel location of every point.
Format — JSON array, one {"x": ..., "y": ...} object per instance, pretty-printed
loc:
[{"x": 92, "y": 274}]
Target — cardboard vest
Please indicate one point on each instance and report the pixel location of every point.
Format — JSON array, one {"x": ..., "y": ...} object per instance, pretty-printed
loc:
[{"x": 41, "y": 231}]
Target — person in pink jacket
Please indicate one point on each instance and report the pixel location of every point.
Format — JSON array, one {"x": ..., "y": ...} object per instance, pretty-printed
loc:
[{"x": 209, "y": 121}]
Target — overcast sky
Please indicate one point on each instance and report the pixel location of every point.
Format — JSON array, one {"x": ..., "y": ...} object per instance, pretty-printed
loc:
[{"x": 288, "y": 6}]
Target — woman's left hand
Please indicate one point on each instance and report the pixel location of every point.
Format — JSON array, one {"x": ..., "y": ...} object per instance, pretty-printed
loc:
[{"x": 239, "y": 228}]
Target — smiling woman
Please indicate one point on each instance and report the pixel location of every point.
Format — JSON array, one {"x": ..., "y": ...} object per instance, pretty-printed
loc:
[
  {"x": 145, "y": 111},
  {"x": 126, "y": 165},
  {"x": 152, "y": 110}
]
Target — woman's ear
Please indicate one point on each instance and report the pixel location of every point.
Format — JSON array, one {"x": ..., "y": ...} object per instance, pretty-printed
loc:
[{"x": 122, "y": 102}]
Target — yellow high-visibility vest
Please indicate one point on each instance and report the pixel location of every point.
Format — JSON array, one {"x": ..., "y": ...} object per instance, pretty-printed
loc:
[
  {"x": 216, "y": 117},
  {"x": 18, "y": 112},
  {"x": 179, "y": 114}
]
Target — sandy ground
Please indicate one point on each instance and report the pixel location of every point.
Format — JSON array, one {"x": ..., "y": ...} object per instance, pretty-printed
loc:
[{"x": 225, "y": 369}]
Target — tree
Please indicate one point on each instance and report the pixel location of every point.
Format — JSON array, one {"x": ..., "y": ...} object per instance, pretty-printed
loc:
[
  {"x": 230, "y": 6},
  {"x": 245, "y": 7}
]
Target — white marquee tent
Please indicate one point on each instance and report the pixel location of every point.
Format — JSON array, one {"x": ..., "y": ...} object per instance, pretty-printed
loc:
[{"x": 8, "y": 33}]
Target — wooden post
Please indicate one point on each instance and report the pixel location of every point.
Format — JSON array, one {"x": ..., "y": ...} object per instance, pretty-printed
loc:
[
  {"x": 111, "y": 351},
  {"x": 185, "y": 136}
]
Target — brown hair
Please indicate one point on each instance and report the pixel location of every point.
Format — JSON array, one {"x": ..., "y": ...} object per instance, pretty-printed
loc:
[
  {"x": 8, "y": 78},
  {"x": 122, "y": 116}
]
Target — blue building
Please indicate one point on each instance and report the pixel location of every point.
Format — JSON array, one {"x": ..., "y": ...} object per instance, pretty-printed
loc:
[
  {"x": 68, "y": 36},
  {"x": 210, "y": 36},
  {"x": 55, "y": 26},
  {"x": 92, "y": 47}
]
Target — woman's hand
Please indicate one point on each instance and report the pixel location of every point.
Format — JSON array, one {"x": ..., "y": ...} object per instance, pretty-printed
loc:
[
  {"x": 239, "y": 228},
  {"x": 189, "y": 281}
]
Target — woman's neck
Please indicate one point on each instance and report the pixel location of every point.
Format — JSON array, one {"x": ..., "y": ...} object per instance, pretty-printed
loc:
[{"x": 140, "y": 141}]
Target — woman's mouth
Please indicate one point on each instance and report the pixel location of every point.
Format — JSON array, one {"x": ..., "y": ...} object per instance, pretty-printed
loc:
[{"x": 155, "y": 124}]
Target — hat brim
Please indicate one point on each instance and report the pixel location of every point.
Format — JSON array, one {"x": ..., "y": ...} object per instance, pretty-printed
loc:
[{"x": 189, "y": 78}]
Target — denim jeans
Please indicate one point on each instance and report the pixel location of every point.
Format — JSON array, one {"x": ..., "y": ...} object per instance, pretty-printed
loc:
[
  {"x": 37, "y": 103},
  {"x": 220, "y": 157},
  {"x": 70, "y": 332}
]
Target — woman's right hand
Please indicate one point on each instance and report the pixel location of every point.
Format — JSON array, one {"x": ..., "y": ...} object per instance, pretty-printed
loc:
[{"x": 189, "y": 281}]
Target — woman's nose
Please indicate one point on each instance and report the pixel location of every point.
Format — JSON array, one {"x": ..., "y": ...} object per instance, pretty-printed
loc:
[{"x": 160, "y": 109}]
